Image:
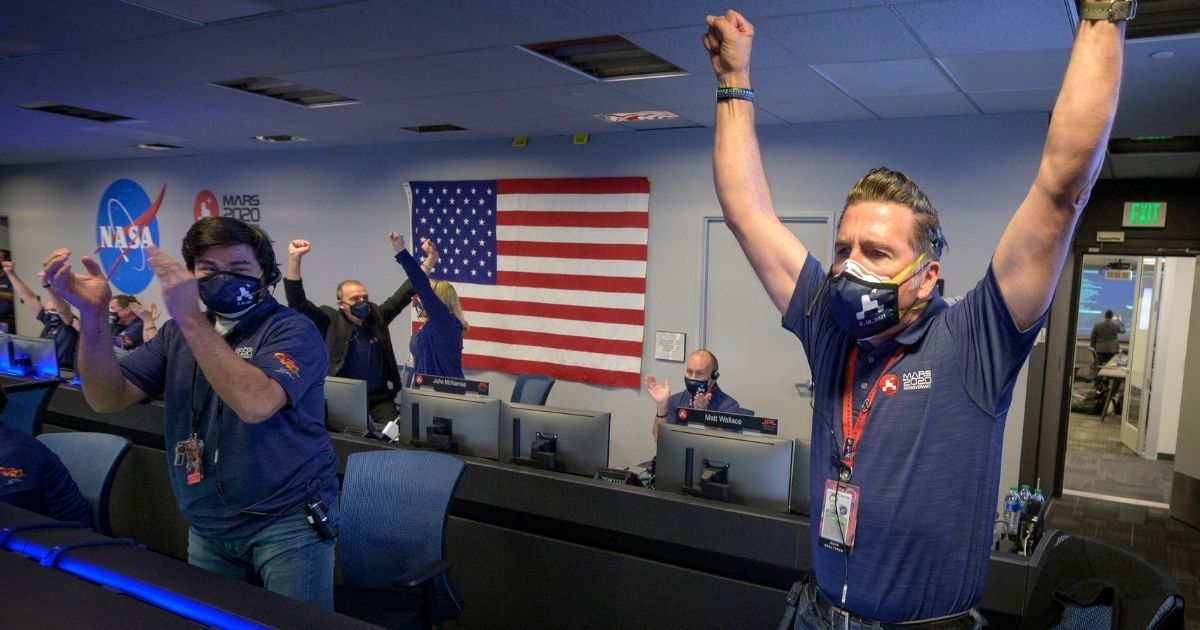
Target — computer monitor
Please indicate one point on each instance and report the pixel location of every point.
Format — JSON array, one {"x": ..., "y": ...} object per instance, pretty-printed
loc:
[
  {"x": 582, "y": 436},
  {"x": 475, "y": 420},
  {"x": 760, "y": 466},
  {"x": 346, "y": 406},
  {"x": 31, "y": 357}
]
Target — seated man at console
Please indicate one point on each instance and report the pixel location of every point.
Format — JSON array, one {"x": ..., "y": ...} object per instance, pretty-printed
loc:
[
  {"x": 700, "y": 379},
  {"x": 32, "y": 477},
  {"x": 356, "y": 331}
]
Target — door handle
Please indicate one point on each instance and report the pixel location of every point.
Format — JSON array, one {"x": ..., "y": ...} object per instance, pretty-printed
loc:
[{"x": 805, "y": 389}]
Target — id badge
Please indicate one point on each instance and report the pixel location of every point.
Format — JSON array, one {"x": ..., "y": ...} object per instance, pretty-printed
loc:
[
  {"x": 193, "y": 460},
  {"x": 839, "y": 516}
]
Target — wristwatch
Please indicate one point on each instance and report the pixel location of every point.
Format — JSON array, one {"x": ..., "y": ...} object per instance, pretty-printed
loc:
[{"x": 1114, "y": 11}]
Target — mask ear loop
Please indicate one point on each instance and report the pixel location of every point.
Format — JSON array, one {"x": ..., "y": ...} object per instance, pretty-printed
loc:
[{"x": 817, "y": 296}]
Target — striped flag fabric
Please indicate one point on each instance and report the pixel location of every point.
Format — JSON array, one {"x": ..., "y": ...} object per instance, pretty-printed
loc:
[{"x": 551, "y": 272}]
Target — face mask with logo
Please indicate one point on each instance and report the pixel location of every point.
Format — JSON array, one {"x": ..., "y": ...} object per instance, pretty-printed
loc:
[
  {"x": 864, "y": 304},
  {"x": 53, "y": 320},
  {"x": 361, "y": 310},
  {"x": 112, "y": 317},
  {"x": 695, "y": 386},
  {"x": 229, "y": 294}
]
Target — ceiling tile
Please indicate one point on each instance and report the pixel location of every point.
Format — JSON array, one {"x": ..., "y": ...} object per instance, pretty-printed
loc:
[
  {"x": 960, "y": 27},
  {"x": 811, "y": 111},
  {"x": 509, "y": 67},
  {"x": 919, "y": 106},
  {"x": 1023, "y": 70},
  {"x": 843, "y": 36},
  {"x": 1007, "y": 102},
  {"x": 897, "y": 77}
]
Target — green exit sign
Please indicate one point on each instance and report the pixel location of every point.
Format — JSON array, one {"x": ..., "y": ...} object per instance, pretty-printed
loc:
[{"x": 1144, "y": 214}]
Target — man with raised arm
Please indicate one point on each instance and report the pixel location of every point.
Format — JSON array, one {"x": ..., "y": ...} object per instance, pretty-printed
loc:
[{"x": 880, "y": 443}]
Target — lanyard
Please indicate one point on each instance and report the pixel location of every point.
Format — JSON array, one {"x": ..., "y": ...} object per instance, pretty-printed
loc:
[{"x": 852, "y": 429}]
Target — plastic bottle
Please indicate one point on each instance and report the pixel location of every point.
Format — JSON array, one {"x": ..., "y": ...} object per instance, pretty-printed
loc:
[
  {"x": 1012, "y": 512},
  {"x": 1025, "y": 494},
  {"x": 1041, "y": 501}
]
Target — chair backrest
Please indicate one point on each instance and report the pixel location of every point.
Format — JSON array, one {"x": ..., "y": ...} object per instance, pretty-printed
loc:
[
  {"x": 27, "y": 403},
  {"x": 1089, "y": 577},
  {"x": 1095, "y": 371},
  {"x": 532, "y": 389},
  {"x": 394, "y": 506},
  {"x": 92, "y": 459}
]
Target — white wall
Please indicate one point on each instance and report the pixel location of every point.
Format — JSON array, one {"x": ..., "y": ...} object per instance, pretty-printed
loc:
[
  {"x": 1170, "y": 358},
  {"x": 976, "y": 170}
]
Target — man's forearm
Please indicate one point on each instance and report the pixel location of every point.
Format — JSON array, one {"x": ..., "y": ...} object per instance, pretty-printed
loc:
[
  {"x": 104, "y": 385},
  {"x": 243, "y": 387}
]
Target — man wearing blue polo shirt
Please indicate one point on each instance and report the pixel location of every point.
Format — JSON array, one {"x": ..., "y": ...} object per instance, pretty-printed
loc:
[
  {"x": 700, "y": 375},
  {"x": 250, "y": 461},
  {"x": 911, "y": 393}
]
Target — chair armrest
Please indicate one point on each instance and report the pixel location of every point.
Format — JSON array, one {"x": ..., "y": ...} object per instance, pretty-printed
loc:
[{"x": 421, "y": 575}]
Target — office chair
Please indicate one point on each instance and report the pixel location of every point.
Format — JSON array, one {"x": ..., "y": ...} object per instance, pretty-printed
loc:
[
  {"x": 1094, "y": 373},
  {"x": 392, "y": 543},
  {"x": 27, "y": 404},
  {"x": 533, "y": 389},
  {"x": 92, "y": 459},
  {"x": 1085, "y": 583}
]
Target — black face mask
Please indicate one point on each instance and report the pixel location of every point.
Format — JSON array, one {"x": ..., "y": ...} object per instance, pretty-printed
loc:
[
  {"x": 695, "y": 386},
  {"x": 53, "y": 320},
  {"x": 229, "y": 294},
  {"x": 112, "y": 318}
]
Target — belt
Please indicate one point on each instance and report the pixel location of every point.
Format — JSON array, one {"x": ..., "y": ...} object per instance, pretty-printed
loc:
[{"x": 840, "y": 618}]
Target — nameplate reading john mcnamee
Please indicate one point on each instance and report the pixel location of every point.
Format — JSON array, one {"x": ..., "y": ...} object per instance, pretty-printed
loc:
[
  {"x": 729, "y": 421},
  {"x": 450, "y": 385}
]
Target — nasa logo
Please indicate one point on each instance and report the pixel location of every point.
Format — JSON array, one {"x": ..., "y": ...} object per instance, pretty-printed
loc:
[
  {"x": 125, "y": 225},
  {"x": 205, "y": 205}
]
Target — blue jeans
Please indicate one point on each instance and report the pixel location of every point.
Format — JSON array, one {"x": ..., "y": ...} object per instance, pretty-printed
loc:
[{"x": 286, "y": 557}]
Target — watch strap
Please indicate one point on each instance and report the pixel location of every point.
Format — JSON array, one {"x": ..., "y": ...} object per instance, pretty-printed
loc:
[{"x": 1115, "y": 11}]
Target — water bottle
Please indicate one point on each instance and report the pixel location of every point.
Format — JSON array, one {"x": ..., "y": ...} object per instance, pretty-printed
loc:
[
  {"x": 1040, "y": 499},
  {"x": 1012, "y": 512},
  {"x": 1025, "y": 494}
]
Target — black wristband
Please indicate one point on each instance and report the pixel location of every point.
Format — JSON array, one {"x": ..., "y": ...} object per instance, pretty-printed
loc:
[{"x": 660, "y": 416}]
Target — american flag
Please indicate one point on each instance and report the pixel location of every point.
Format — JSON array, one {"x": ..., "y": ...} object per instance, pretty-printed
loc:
[{"x": 551, "y": 272}]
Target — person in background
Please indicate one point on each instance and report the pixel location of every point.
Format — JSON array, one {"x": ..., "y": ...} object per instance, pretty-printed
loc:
[
  {"x": 149, "y": 316},
  {"x": 356, "y": 331},
  {"x": 911, "y": 394},
  {"x": 124, "y": 324},
  {"x": 1106, "y": 337},
  {"x": 58, "y": 321},
  {"x": 241, "y": 383},
  {"x": 8, "y": 314},
  {"x": 437, "y": 347},
  {"x": 33, "y": 478},
  {"x": 701, "y": 391}
]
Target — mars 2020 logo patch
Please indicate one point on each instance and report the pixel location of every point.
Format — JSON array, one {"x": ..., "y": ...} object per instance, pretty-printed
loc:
[
  {"x": 126, "y": 224},
  {"x": 890, "y": 384},
  {"x": 289, "y": 365}
]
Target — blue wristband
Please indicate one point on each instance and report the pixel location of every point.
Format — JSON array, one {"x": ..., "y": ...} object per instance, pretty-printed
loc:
[{"x": 742, "y": 94}]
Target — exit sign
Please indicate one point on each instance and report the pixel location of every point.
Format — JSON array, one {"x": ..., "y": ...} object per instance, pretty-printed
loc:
[{"x": 1144, "y": 214}]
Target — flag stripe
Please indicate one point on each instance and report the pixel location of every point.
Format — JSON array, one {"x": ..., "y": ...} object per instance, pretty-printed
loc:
[
  {"x": 574, "y": 203},
  {"x": 556, "y": 311},
  {"x": 585, "y": 236},
  {"x": 574, "y": 266},
  {"x": 616, "y": 332},
  {"x": 633, "y": 301},
  {"x": 614, "y": 378},
  {"x": 564, "y": 281},
  {"x": 590, "y": 251},
  {"x": 565, "y": 357},
  {"x": 559, "y": 342},
  {"x": 574, "y": 219},
  {"x": 574, "y": 186}
]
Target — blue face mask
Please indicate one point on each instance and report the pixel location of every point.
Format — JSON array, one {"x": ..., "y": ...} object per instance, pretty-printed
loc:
[
  {"x": 52, "y": 320},
  {"x": 361, "y": 310},
  {"x": 864, "y": 304},
  {"x": 229, "y": 294},
  {"x": 695, "y": 386},
  {"x": 112, "y": 317}
]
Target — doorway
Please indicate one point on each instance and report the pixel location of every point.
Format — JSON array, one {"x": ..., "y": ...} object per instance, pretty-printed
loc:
[{"x": 1122, "y": 426}]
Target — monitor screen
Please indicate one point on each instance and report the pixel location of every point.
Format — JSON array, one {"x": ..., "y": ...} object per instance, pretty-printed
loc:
[
  {"x": 582, "y": 445},
  {"x": 31, "y": 357},
  {"x": 1098, "y": 294},
  {"x": 475, "y": 419},
  {"x": 760, "y": 466},
  {"x": 346, "y": 406}
]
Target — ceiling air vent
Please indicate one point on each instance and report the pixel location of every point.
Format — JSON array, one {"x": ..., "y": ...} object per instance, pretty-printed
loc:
[
  {"x": 1159, "y": 18},
  {"x": 283, "y": 137},
  {"x": 287, "y": 92},
  {"x": 76, "y": 112},
  {"x": 433, "y": 128},
  {"x": 606, "y": 58},
  {"x": 1154, "y": 144},
  {"x": 158, "y": 146}
]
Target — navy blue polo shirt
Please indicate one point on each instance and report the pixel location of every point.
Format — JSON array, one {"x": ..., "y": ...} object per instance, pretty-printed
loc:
[
  {"x": 65, "y": 338},
  {"x": 128, "y": 336},
  {"x": 928, "y": 461},
  {"x": 32, "y": 477},
  {"x": 720, "y": 401},
  {"x": 253, "y": 473},
  {"x": 437, "y": 346}
]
